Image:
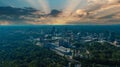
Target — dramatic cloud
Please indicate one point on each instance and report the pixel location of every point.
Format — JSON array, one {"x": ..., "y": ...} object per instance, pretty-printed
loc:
[
  {"x": 81, "y": 12},
  {"x": 93, "y": 12},
  {"x": 106, "y": 11},
  {"x": 103, "y": 1}
]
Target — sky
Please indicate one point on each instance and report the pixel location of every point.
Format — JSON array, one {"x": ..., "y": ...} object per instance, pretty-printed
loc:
[
  {"x": 73, "y": 11},
  {"x": 54, "y": 4}
]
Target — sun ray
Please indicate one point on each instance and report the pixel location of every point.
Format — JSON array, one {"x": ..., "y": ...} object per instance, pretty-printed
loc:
[
  {"x": 40, "y": 4},
  {"x": 71, "y": 6},
  {"x": 45, "y": 6},
  {"x": 32, "y": 3}
]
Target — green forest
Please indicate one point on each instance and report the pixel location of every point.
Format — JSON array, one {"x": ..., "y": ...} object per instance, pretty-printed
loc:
[
  {"x": 25, "y": 54},
  {"x": 100, "y": 54}
]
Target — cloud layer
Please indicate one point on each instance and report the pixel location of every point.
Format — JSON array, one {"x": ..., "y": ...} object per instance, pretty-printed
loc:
[{"x": 93, "y": 12}]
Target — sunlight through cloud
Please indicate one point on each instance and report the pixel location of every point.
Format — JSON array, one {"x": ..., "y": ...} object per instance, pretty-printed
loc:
[{"x": 71, "y": 6}]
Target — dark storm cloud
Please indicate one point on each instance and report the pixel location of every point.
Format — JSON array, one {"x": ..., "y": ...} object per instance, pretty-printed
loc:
[{"x": 16, "y": 15}]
